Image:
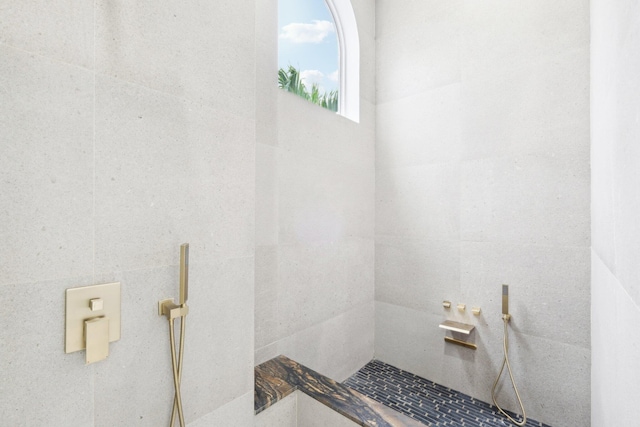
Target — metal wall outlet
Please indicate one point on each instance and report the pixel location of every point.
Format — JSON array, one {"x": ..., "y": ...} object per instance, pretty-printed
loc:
[{"x": 92, "y": 316}]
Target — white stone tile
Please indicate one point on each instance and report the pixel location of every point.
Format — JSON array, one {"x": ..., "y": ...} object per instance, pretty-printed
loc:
[
  {"x": 123, "y": 381},
  {"x": 267, "y": 315},
  {"x": 267, "y": 72},
  {"x": 263, "y": 354},
  {"x": 41, "y": 385},
  {"x": 46, "y": 168},
  {"x": 417, "y": 274},
  {"x": 283, "y": 414},
  {"x": 627, "y": 348},
  {"x": 318, "y": 282},
  {"x": 400, "y": 72},
  {"x": 604, "y": 353},
  {"x": 220, "y": 367},
  {"x": 603, "y": 123},
  {"x": 237, "y": 413},
  {"x": 167, "y": 172},
  {"x": 626, "y": 177},
  {"x": 420, "y": 201},
  {"x": 337, "y": 347},
  {"x": 392, "y": 18},
  {"x": 411, "y": 340},
  {"x": 540, "y": 107},
  {"x": 323, "y": 201},
  {"x": 420, "y": 129},
  {"x": 307, "y": 129},
  {"x": 218, "y": 355},
  {"x": 312, "y": 413},
  {"x": 205, "y": 53},
  {"x": 553, "y": 379},
  {"x": 549, "y": 286},
  {"x": 266, "y": 195},
  {"x": 533, "y": 199},
  {"x": 498, "y": 34},
  {"x": 58, "y": 29}
]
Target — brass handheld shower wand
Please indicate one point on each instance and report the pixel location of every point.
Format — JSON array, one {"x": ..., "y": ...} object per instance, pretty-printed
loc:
[
  {"x": 506, "y": 317},
  {"x": 172, "y": 311}
]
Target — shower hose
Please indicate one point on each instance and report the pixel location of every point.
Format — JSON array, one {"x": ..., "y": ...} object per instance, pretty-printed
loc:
[
  {"x": 176, "y": 363},
  {"x": 505, "y": 361}
]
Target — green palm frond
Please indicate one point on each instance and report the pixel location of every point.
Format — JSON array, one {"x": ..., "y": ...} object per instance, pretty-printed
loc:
[{"x": 289, "y": 80}]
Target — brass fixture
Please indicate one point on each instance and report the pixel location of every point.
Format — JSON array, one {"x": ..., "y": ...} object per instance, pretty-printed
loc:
[
  {"x": 476, "y": 311},
  {"x": 505, "y": 299},
  {"x": 446, "y": 304},
  {"x": 462, "y": 328},
  {"x": 92, "y": 320},
  {"x": 506, "y": 317},
  {"x": 462, "y": 343},
  {"x": 172, "y": 311},
  {"x": 462, "y": 307}
]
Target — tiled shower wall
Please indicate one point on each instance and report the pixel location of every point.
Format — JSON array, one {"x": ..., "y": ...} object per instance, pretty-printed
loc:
[
  {"x": 482, "y": 178},
  {"x": 314, "y": 215},
  {"x": 615, "y": 308},
  {"x": 126, "y": 129}
]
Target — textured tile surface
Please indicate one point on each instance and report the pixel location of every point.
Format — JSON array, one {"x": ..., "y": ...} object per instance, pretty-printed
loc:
[
  {"x": 281, "y": 376},
  {"x": 428, "y": 402}
]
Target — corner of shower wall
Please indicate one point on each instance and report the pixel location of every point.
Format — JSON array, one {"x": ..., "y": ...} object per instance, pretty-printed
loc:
[{"x": 314, "y": 216}]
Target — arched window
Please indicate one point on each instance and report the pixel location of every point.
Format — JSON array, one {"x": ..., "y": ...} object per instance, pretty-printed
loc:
[{"x": 319, "y": 53}]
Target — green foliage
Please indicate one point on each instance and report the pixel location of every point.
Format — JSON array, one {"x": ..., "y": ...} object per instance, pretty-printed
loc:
[{"x": 290, "y": 81}]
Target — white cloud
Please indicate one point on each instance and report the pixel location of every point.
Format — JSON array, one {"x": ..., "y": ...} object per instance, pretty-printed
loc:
[
  {"x": 333, "y": 76},
  {"x": 309, "y": 77},
  {"x": 315, "y": 32}
]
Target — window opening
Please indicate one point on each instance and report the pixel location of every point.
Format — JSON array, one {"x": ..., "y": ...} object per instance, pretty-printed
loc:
[{"x": 308, "y": 52}]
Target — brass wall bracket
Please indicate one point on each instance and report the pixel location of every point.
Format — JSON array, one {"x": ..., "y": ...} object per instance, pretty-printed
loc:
[{"x": 462, "y": 343}]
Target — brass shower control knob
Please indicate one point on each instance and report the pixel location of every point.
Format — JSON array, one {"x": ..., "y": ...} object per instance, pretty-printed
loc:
[
  {"x": 476, "y": 311},
  {"x": 462, "y": 307},
  {"x": 446, "y": 304}
]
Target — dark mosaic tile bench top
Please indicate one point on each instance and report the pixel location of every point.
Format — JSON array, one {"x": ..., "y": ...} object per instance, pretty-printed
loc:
[
  {"x": 281, "y": 376},
  {"x": 426, "y": 401}
]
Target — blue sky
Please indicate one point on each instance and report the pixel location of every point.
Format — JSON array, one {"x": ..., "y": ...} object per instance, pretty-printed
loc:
[{"x": 307, "y": 40}]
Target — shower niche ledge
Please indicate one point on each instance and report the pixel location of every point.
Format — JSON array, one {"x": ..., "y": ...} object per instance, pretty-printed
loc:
[{"x": 462, "y": 328}]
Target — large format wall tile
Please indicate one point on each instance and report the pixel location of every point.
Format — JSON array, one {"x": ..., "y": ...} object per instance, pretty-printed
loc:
[
  {"x": 338, "y": 346},
  {"x": 204, "y": 52},
  {"x": 498, "y": 33},
  {"x": 483, "y": 145},
  {"x": 218, "y": 349},
  {"x": 403, "y": 73},
  {"x": 503, "y": 113},
  {"x": 408, "y": 135},
  {"x": 61, "y": 30},
  {"x": 237, "y": 413},
  {"x": 323, "y": 201},
  {"x": 419, "y": 202},
  {"x": 543, "y": 292},
  {"x": 169, "y": 170},
  {"x": 46, "y": 168},
  {"x": 317, "y": 282},
  {"x": 538, "y": 199},
  {"x": 41, "y": 385},
  {"x": 615, "y": 306},
  {"x": 417, "y": 274},
  {"x": 104, "y": 173}
]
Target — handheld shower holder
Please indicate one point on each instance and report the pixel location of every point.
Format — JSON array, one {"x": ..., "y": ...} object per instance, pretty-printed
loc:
[{"x": 168, "y": 308}]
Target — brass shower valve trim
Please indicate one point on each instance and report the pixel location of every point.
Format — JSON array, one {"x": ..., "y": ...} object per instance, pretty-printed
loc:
[{"x": 462, "y": 308}]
